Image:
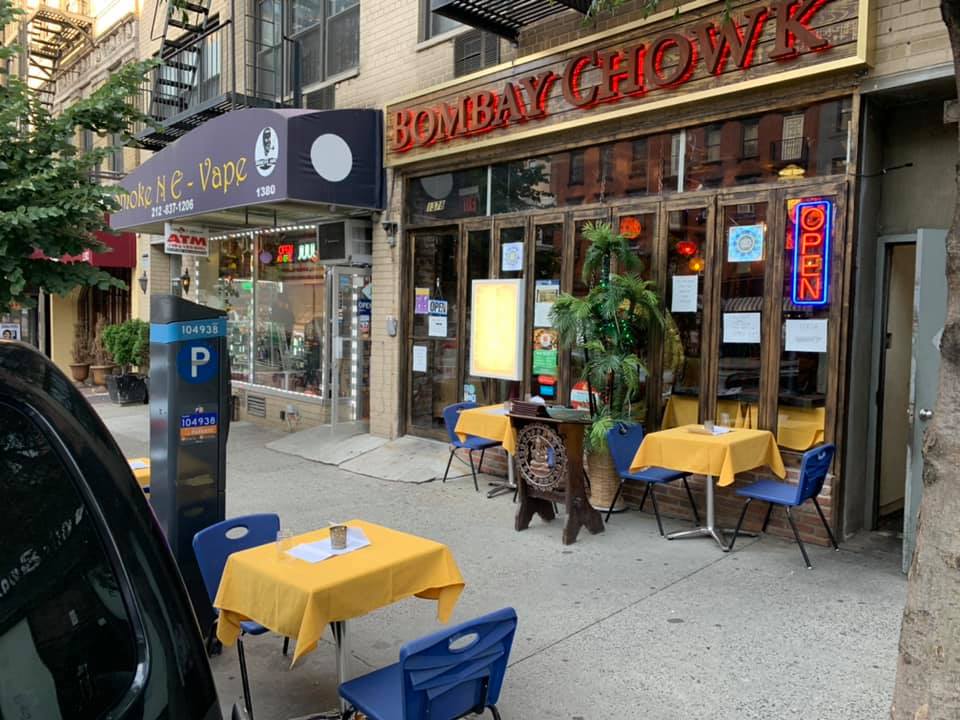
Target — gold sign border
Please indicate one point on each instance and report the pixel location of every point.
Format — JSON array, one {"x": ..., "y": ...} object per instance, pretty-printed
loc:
[{"x": 859, "y": 59}]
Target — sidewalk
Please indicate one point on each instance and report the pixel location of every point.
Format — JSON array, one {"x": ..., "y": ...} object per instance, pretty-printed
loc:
[{"x": 620, "y": 625}]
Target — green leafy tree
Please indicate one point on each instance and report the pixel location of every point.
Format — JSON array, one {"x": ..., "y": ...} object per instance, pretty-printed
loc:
[
  {"x": 49, "y": 201},
  {"x": 613, "y": 324},
  {"x": 128, "y": 343}
]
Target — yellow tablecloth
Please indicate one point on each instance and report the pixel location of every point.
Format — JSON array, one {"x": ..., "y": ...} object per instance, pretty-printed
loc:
[
  {"x": 800, "y": 428},
  {"x": 142, "y": 474},
  {"x": 298, "y": 599},
  {"x": 684, "y": 410},
  {"x": 722, "y": 456},
  {"x": 490, "y": 422}
]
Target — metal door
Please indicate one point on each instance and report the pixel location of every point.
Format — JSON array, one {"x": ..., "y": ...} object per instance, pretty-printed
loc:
[
  {"x": 350, "y": 310},
  {"x": 930, "y": 311}
]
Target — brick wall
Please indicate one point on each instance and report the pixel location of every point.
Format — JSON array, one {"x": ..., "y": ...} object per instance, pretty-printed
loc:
[{"x": 908, "y": 35}]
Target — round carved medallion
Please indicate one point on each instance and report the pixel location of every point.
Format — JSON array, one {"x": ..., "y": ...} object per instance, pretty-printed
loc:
[{"x": 541, "y": 457}]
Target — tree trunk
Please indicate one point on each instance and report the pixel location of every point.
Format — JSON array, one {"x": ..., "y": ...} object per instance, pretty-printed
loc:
[{"x": 928, "y": 668}]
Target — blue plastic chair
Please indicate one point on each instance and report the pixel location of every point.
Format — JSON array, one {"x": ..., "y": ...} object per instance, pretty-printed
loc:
[
  {"x": 213, "y": 546},
  {"x": 451, "y": 413},
  {"x": 624, "y": 441},
  {"x": 443, "y": 676},
  {"x": 813, "y": 471}
]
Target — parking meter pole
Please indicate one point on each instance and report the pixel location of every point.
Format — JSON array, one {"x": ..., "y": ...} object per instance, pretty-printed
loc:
[{"x": 189, "y": 422}]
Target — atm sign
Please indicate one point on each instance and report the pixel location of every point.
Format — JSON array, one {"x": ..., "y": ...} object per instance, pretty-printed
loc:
[{"x": 811, "y": 252}]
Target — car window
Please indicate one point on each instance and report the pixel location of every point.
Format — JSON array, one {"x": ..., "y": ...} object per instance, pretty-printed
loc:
[{"x": 67, "y": 647}]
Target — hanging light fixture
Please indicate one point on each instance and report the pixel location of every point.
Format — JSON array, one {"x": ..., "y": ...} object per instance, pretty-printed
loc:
[
  {"x": 185, "y": 281},
  {"x": 687, "y": 248},
  {"x": 142, "y": 282}
]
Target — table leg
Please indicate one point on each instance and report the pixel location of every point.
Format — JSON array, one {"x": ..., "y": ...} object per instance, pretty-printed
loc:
[
  {"x": 342, "y": 640},
  {"x": 500, "y": 488},
  {"x": 710, "y": 529}
]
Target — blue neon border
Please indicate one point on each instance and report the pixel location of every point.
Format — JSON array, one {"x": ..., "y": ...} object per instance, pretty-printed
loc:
[{"x": 826, "y": 253}]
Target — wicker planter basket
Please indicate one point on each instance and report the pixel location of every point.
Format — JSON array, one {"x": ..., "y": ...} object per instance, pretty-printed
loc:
[{"x": 604, "y": 480}]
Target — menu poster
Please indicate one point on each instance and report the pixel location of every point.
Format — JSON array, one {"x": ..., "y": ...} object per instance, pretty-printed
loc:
[
  {"x": 545, "y": 294},
  {"x": 420, "y": 358},
  {"x": 805, "y": 336},
  {"x": 421, "y": 301},
  {"x": 512, "y": 257},
  {"x": 684, "y": 297},
  {"x": 438, "y": 326},
  {"x": 741, "y": 328}
]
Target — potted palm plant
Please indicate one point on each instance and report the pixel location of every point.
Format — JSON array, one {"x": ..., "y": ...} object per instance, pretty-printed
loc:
[
  {"x": 103, "y": 364},
  {"x": 612, "y": 325},
  {"x": 129, "y": 344},
  {"x": 80, "y": 352}
]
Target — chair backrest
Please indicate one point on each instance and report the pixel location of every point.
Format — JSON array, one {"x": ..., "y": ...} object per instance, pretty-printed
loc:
[
  {"x": 624, "y": 441},
  {"x": 213, "y": 545},
  {"x": 457, "y": 670},
  {"x": 813, "y": 471},
  {"x": 451, "y": 414}
]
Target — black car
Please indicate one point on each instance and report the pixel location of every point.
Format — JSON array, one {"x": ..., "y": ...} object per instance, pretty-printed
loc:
[{"x": 95, "y": 621}]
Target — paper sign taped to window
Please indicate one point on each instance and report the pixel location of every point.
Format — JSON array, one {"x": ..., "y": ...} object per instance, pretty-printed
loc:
[
  {"x": 684, "y": 298},
  {"x": 805, "y": 336},
  {"x": 419, "y": 358},
  {"x": 741, "y": 328}
]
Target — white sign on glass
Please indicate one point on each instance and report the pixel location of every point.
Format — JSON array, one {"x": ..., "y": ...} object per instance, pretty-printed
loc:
[
  {"x": 438, "y": 326},
  {"x": 684, "y": 297},
  {"x": 512, "y": 257},
  {"x": 741, "y": 328},
  {"x": 805, "y": 336},
  {"x": 419, "y": 358}
]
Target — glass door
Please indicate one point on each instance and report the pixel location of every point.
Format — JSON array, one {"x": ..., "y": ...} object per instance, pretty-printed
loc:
[
  {"x": 479, "y": 251},
  {"x": 433, "y": 329},
  {"x": 350, "y": 298},
  {"x": 546, "y": 263},
  {"x": 511, "y": 259}
]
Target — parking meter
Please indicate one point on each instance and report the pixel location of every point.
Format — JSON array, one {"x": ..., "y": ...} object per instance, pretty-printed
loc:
[{"x": 189, "y": 422}]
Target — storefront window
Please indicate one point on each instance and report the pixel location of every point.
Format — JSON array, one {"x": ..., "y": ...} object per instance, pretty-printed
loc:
[
  {"x": 686, "y": 269},
  {"x": 638, "y": 230},
  {"x": 476, "y": 389},
  {"x": 448, "y": 196},
  {"x": 547, "y": 258},
  {"x": 743, "y": 250},
  {"x": 522, "y": 185},
  {"x": 435, "y": 332},
  {"x": 288, "y": 352},
  {"x": 225, "y": 282},
  {"x": 801, "y": 415},
  {"x": 511, "y": 259}
]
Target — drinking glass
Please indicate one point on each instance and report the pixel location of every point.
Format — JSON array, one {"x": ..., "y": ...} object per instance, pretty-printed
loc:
[{"x": 284, "y": 543}]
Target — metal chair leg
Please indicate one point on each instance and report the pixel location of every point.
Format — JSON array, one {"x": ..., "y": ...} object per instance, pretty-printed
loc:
[
  {"x": 473, "y": 470},
  {"x": 449, "y": 460},
  {"x": 766, "y": 520},
  {"x": 743, "y": 514},
  {"x": 494, "y": 712},
  {"x": 615, "y": 498},
  {"x": 286, "y": 645},
  {"x": 693, "y": 504},
  {"x": 825, "y": 526},
  {"x": 244, "y": 679},
  {"x": 656, "y": 510},
  {"x": 646, "y": 491},
  {"x": 796, "y": 534},
  {"x": 480, "y": 466}
]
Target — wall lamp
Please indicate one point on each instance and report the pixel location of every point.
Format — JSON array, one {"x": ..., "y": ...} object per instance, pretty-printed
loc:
[
  {"x": 185, "y": 282},
  {"x": 142, "y": 282},
  {"x": 390, "y": 228}
]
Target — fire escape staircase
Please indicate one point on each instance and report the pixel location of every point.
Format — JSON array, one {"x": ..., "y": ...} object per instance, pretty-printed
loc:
[{"x": 53, "y": 37}]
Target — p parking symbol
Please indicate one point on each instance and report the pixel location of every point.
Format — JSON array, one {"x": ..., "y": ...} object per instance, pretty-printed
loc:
[{"x": 197, "y": 362}]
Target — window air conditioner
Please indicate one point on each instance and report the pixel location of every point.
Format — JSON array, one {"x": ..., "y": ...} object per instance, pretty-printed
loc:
[{"x": 345, "y": 242}]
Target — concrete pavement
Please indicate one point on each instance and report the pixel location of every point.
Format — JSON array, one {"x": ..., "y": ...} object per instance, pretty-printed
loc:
[{"x": 624, "y": 624}]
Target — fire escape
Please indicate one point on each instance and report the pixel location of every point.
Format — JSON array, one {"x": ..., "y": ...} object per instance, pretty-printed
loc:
[
  {"x": 211, "y": 66},
  {"x": 52, "y": 35}
]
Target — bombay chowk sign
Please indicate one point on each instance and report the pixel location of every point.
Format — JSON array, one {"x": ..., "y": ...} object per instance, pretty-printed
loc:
[{"x": 668, "y": 59}]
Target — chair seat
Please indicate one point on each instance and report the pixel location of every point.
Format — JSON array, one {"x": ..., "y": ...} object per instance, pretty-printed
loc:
[
  {"x": 476, "y": 443},
  {"x": 378, "y": 695},
  {"x": 656, "y": 475},
  {"x": 249, "y": 627},
  {"x": 772, "y": 491}
]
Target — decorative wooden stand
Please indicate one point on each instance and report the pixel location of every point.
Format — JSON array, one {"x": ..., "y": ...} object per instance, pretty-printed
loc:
[{"x": 550, "y": 469}]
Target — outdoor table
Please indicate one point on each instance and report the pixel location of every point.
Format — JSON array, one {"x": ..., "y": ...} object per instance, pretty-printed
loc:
[
  {"x": 141, "y": 471},
  {"x": 298, "y": 599},
  {"x": 720, "y": 456},
  {"x": 491, "y": 422}
]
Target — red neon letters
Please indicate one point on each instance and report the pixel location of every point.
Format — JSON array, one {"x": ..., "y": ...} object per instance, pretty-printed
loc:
[
  {"x": 666, "y": 62},
  {"x": 811, "y": 252}
]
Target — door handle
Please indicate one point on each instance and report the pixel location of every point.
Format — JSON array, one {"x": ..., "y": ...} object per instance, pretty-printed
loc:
[{"x": 925, "y": 414}]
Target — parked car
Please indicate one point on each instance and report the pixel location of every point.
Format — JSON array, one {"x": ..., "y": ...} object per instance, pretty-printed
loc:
[{"x": 95, "y": 621}]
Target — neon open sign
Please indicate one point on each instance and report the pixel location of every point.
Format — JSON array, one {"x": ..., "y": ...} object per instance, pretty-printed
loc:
[{"x": 811, "y": 252}]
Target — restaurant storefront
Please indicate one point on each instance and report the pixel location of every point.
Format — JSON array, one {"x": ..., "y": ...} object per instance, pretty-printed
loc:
[
  {"x": 266, "y": 214},
  {"x": 724, "y": 151}
]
